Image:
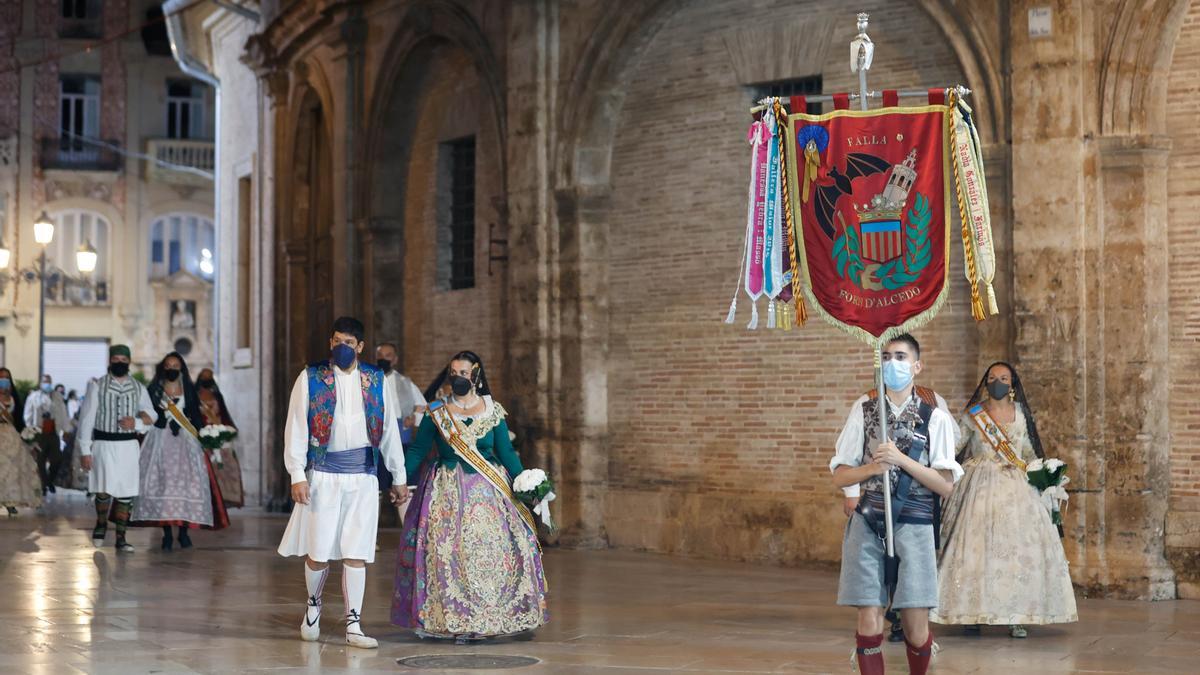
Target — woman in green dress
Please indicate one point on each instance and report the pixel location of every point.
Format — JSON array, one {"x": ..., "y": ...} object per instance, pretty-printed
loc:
[{"x": 470, "y": 566}]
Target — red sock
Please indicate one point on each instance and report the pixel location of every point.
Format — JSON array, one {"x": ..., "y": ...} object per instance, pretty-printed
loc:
[
  {"x": 870, "y": 654},
  {"x": 918, "y": 657}
]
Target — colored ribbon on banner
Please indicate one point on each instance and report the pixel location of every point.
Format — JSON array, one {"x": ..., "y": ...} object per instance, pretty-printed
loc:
[
  {"x": 750, "y": 274},
  {"x": 977, "y": 220},
  {"x": 772, "y": 259},
  {"x": 971, "y": 193}
]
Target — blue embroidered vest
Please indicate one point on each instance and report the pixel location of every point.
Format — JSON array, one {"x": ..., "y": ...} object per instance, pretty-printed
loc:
[{"x": 322, "y": 401}]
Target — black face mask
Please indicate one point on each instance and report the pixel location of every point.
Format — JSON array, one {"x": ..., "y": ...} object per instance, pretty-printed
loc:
[
  {"x": 206, "y": 384},
  {"x": 384, "y": 365},
  {"x": 461, "y": 386},
  {"x": 119, "y": 369},
  {"x": 172, "y": 374},
  {"x": 998, "y": 390}
]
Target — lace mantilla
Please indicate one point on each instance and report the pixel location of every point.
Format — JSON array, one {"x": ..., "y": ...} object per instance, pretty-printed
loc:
[{"x": 492, "y": 415}]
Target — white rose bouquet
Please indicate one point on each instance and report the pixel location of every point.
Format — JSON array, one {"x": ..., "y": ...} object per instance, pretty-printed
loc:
[
  {"x": 534, "y": 488},
  {"x": 1049, "y": 478},
  {"x": 214, "y": 437}
]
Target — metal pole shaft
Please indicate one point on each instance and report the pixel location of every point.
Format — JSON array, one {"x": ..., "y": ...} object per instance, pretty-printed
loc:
[
  {"x": 42, "y": 316},
  {"x": 890, "y": 541}
]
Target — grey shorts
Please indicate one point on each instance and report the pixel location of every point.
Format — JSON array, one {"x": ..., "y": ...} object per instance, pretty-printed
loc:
[{"x": 861, "y": 582}]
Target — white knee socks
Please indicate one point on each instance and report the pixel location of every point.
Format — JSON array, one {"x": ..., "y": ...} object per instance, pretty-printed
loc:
[
  {"x": 354, "y": 585},
  {"x": 315, "y": 581}
]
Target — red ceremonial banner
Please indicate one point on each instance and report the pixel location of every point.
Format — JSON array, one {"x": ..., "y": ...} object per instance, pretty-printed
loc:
[{"x": 870, "y": 192}]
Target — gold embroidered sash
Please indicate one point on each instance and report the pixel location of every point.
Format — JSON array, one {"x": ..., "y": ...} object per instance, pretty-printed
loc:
[
  {"x": 994, "y": 435},
  {"x": 181, "y": 418},
  {"x": 452, "y": 433}
]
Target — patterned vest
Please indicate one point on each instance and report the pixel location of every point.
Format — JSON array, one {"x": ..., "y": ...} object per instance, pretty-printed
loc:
[
  {"x": 115, "y": 401},
  {"x": 901, "y": 428},
  {"x": 322, "y": 401}
]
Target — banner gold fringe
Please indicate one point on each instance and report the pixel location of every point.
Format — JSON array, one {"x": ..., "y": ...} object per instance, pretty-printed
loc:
[
  {"x": 914, "y": 323},
  {"x": 968, "y": 250},
  {"x": 797, "y": 297}
]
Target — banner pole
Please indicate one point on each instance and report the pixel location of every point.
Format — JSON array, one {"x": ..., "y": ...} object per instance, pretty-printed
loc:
[{"x": 862, "y": 51}]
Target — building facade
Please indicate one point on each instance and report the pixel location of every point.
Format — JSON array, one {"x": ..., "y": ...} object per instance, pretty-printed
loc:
[
  {"x": 102, "y": 131},
  {"x": 559, "y": 186}
]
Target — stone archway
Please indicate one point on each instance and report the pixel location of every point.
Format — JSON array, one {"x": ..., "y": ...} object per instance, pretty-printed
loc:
[
  {"x": 439, "y": 83},
  {"x": 588, "y": 126}
]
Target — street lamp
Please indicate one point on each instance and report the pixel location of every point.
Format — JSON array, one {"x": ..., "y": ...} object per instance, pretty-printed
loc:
[
  {"x": 43, "y": 230},
  {"x": 86, "y": 257},
  {"x": 43, "y": 234}
]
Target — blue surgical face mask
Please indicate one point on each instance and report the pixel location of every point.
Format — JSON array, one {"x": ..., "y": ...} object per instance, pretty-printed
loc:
[
  {"x": 47, "y": 387},
  {"x": 897, "y": 375},
  {"x": 343, "y": 356},
  {"x": 5, "y": 384}
]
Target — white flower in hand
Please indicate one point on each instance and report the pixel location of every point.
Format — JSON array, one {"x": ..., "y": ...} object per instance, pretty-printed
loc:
[
  {"x": 1054, "y": 464},
  {"x": 1034, "y": 466},
  {"x": 528, "y": 480}
]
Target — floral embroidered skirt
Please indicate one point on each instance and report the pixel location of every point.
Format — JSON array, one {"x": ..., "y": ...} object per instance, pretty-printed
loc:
[
  {"x": 468, "y": 566},
  {"x": 178, "y": 485},
  {"x": 1002, "y": 562},
  {"x": 19, "y": 482}
]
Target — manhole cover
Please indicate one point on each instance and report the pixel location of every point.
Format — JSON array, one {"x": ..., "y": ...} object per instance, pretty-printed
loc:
[{"x": 467, "y": 661}]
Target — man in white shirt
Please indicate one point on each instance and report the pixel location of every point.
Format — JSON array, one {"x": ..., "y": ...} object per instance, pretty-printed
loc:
[
  {"x": 341, "y": 418},
  {"x": 410, "y": 401},
  {"x": 46, "y": 411},
  {"x": 921, "y": 445}
]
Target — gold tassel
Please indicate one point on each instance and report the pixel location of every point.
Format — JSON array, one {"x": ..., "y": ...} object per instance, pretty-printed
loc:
[
  {"x": 801, "y": 312},
  {"x": 968, "y": 247}
]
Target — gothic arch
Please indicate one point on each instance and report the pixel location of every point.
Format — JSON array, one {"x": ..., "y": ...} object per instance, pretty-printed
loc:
[
  {"x": 427, "y": 28},
  {"x": 428, "y": 23},
  {"x": 594, "y": 100},
  {"x": 1136, "y": 55}
]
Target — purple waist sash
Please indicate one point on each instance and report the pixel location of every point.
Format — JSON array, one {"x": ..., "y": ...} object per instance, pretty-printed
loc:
[{"x": 358, "y": 460}]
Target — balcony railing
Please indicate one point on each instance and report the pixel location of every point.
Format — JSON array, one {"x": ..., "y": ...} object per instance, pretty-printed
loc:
[
  {"x": 188, "y": 153},
  {"x": 63, "y": 290},
  {"x": 73, "y": 154}
]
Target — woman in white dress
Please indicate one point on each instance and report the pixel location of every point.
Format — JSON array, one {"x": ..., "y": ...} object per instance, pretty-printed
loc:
[{"x": 1002, "y": 559}]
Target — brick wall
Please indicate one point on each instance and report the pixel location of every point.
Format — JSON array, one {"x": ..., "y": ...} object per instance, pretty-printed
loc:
[
  {"x": 437, "y": 322},
  {"x": 10, "y": 78},
  {"x": 721, "y": 437},
  {"x": 1184, "y": 260}
]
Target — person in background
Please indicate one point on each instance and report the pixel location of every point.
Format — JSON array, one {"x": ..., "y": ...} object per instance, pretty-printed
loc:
[
  {"x": 177, "y": 484},
  {"x": 73, "y": 404},
  {"x": 116, "y": 408},
  {"x": 410, "y": 402},
  {"x": 19, "y": 481},
  {"x": 1003, "y": 563},
  {"x": 214, "y": 411},
  {"x": 46, "y": 411}
]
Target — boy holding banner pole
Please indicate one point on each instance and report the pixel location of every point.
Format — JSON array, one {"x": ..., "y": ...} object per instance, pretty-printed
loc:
[{"x": 914, "y": 448}]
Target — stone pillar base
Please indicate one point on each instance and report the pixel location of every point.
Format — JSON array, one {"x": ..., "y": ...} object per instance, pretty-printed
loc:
[{"x": 1127, "y": 582}]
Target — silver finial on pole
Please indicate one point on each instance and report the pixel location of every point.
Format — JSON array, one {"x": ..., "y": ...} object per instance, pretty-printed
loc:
[{"x": 862, "y": 50}]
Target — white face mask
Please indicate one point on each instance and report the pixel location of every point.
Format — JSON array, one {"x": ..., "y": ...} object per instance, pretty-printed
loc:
[{"x": 897, "y": 375}]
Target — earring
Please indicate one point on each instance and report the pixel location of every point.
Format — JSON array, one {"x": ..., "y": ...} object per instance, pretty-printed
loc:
[{"x": 1012, "y": 394}]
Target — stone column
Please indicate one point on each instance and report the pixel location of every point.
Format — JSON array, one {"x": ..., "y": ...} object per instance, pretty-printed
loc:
[
  {"x": 1135, "y": 434},
  {"x": 1090, "y": 302}
]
